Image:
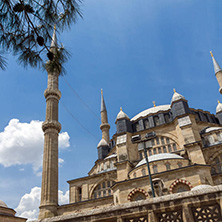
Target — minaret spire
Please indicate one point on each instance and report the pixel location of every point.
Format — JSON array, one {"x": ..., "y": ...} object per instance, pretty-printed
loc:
[
  {"x": 103, "y": 106},
  {"x": 51, "y": 128},
  {"x": 218, "y": 72},
  {"x": 216, "y": 65},
  {"x": 104, "y": 120}
]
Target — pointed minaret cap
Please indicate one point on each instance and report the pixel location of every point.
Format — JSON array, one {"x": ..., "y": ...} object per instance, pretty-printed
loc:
[
  {"x": 121, "y": 115},
  {"x": 216, "y": 66},
  {"x": 176, "y": 97},
  {"x": 102, "y": 143},
  {"x": 219, "y": 107},
  {"x": 54, "y": 39},
  {"x": 103, "y": 106}
]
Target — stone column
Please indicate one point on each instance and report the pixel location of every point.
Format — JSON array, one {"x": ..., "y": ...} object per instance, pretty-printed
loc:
[
  {"x": 187, "y": 213},
  {"x": 51, "y": 128}
]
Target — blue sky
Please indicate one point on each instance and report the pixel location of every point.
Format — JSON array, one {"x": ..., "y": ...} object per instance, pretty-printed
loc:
[{"x": 137, "y": 51}]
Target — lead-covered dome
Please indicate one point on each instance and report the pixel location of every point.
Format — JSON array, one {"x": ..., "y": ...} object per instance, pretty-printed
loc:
[
  {"x": 177, "y": 97},
  {"x": 121, "y": 115},
  {"x": 160, "y": 156},
  {"x": 152, "y": 110},
  {"x": 102, "y": 143},
  {"x": 202, "y": 187},
  {"x": 219, "y": 107},
  {"x": 3, "y": 204}
]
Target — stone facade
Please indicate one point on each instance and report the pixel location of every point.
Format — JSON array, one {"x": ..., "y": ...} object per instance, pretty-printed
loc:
[
  {"x": 8, "y": 214},
  {"x": 184, "y": 152}
]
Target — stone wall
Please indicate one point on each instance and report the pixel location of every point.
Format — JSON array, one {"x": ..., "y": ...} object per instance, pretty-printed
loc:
[{"x": 204, "y": 203}]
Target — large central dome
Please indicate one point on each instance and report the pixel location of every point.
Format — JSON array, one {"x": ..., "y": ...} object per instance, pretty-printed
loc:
[
  {"x": 152, "y": 110},
  {"x": 160, "y": 156}
]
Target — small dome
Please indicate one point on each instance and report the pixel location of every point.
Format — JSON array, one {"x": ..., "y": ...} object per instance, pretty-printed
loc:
[
  {"x": 160, "y": 156},
  {"x": 176, "y": 97},
  {"x": 111, "y": 156},
  {"x": 210, "y": 129},
  {"x": 202, "y": 187},
  {"x": 152, "y": 110},
  {"x": 219, "y": 107},
  {"x": 102, "y": 143},
  {"x": 121, "y": 115},
  {"x": 3, "y": 204}
]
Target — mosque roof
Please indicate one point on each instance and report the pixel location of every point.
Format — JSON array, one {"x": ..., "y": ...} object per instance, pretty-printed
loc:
[
  {"x": 3, "y": 204},
  {"x": 160, "y": 156},
  {"x": 201, "y": 187},
  {"x": 176, "y": 97},
  {"x": 152, "y": 110},
  {"x": 111, "y": 156},
  {"x": 102, "y": 143},
  {"x": 219, "y": 107},
  {"x": 210, "y": 129},
  {"x": 121, "y": 115}
]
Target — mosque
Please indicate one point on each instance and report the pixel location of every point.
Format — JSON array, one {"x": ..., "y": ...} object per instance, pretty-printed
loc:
[{"x": 162, "y": 165}]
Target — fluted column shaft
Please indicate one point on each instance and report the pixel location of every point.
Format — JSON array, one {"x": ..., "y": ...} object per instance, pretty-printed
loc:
[
  {"x": 105, "y": 126},
  {"x": 51, "y": 128}
]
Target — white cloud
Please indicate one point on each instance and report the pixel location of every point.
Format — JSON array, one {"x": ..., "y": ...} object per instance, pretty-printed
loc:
[
  {"x": 29, "y": 204},
  {"x": 22, "y": 143}
]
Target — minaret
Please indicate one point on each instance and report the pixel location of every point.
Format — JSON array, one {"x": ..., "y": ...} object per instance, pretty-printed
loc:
[
  {"x": 51, "y": 128},
  {"x": 218, "y": 72},
  {"x": 103, "y": 146},
  {"x": 104, "y": 120}
]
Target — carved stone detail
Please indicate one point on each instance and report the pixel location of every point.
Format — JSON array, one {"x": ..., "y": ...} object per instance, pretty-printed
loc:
[{"x": 51, "y": 124}]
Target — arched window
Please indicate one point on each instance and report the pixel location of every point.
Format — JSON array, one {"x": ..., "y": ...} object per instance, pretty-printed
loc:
[
  {"x": 137, "y": 127},
  {"x": 164, "y": 149},
  {"x": 180, "y": 187},
  {"x": 103, "y": 189},
  {"x": 143, "y": 172},
  {"x": 213, "y": 170},
  {"x": 138, "y": 196},
  {"x": 197, "y": 116},
  {"x": 174, "y": 147},
  {"x": 79, "y": 193},
  {"x": 156, "y": 120},
  {"x": 146, "y": 124},
  {"x": 167, "y": 166},
  {"x": 217, "y": 165},
  {"x": 155, "y": 169},
  {"x": 167, "y": 118},
  {"x": 160, "y": 144},
  {"x": 179, "y": 164}
]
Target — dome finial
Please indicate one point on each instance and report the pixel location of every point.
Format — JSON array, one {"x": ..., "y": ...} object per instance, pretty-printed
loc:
[
  {"x": 211, "y": 54},
  {"x": 54, "y": 26},
  {"x": 218, "y": 101},
  {"x": 101, "y": 91},
  {"x": 174, "y": 89},
  {"x": 154, "y": 103},
  {"x": 121, "y": 109}
]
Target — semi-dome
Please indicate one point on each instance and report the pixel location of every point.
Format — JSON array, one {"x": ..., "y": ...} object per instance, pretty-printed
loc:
[
  {"x": 121, "y": 115},
  {"x": 111, "y": 156},
  {"x": 3, "y": 204},
  {"x": 160, "y": 156},
  {"x": 202, "y": 187},
  {"x": 219, "y": 107},
  {"x": 152, "y": 110},
  {"x": 177, "y": 97},
  {"x": 210, "y": 129},
  {"x": 102, "y": 143}
]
